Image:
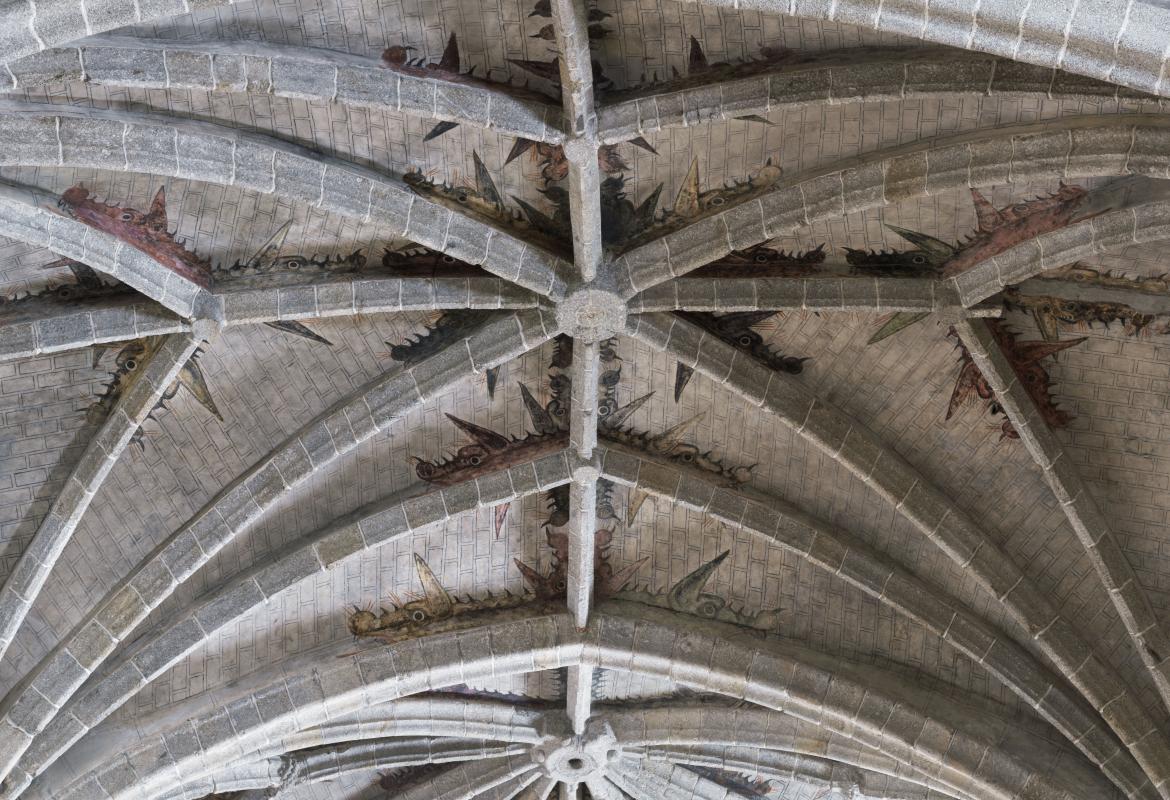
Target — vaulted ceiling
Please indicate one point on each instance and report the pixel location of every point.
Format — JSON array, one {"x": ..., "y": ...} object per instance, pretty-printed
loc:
[{"x": 585, "y": 399}]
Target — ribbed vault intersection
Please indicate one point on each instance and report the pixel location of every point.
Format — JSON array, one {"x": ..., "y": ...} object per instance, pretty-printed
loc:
[{"x": 403, "y": 484}]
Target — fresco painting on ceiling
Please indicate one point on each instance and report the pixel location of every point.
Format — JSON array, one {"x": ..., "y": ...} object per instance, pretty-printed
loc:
[
  {"x": 762, "y": 261},
  {"x": 1025, "y": 358},
  {"x": 736, "y": 329},
  {"x": 997, "y": 230},
  {"x": 1052, "y": 311},
  {"x": 146, "y": 231},
  {"x": 700, "y": 72},
  {"x": 447, "y": 327},
  {"x": 87, "y": 284},
  {"x": 128, "y": 363},
  {"x": 448, "y": 68},
  {"x": 149, "y": 232}
]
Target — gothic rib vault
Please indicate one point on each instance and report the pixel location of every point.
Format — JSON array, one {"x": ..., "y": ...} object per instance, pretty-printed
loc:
[{"x": 584, "y": 399}]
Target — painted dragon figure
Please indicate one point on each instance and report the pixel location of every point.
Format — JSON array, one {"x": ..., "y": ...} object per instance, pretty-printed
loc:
[
  {"x": 417, "y": 261},
  {"x": 700, "y": 71},
  {"x": 415, "y": 616},
  {"x": 150, "y": 232},
  {"x": 484, "y": 199},
  {"x": 735, "y": 329},
  {"x": 1051, "y": 312},
  {"x": 762, "y": 261},
  {"x": 551, "y": 586},
  {"x": 490, "y": 451},
  {"x": 691, "y": 202},
  {"x": 1025, "y": 358},
  {"x": 87, "y": 284},
  {"x": 128, "y": 362},
  {"x": 147, "y": 231},
  {"x": 397, "y": 58},
  {"x": 997, "y": 230},
  {"x": 687, "y": 597}
]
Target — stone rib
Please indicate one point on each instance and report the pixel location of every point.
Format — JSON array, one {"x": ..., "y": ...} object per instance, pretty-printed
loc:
[
  {"x": 52, "y": 327},
  {"x": 337, "y": 431},
  {"x": 781, "y": 766},
  {"x": 1146, "y": 222},
  {"x": 854, "y": 76},
  {"x": 720, "y": 731},
  {"x": 303, "y": 73},
  {"x": 1081, "y": 38},
  {"x": 830, "y": 289},
  {"x": 24, "y": 583},
  {"x": 841, "y": 554},
  {"x": 367, "y": 294},
  {"x": 24, "y": 216},
  {"x": 917, "y": 726},
  {"x": 467, "y": 781},
  {"x": 581, "y": 145},
  {"x": 648, "y": 779},
  {"x": 1077, "y": 502},
  {"x": 855, "y": 447},
  {"x": 40, "y": 134},
  {"x": 897, "y": 717},
  {"x": 156, "y": 651},
  {"x": 1070, "y": 148}
]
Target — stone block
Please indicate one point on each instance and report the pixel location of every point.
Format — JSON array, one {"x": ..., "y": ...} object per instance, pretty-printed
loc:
[
  {"x": 228, "y": 604},
  {"x": 173, "y": 644},
  {"x": 254, "y": 166},
  {"x": 346, "y": 191},
  {"x": 289, "y": 569},
  {"x": 799, "y": 86},
  {"x": 189, "y": 70},
  {"x": 367, "y": 86},
  {"x": 294, "y": 77},
  {"x": 339, "y": 544}
]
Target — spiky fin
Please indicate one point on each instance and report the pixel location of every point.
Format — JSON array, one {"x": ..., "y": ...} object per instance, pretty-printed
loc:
[
  {"x": 686, "y": 203},
  {"x": 671, "y": 438},
  {"x": 686, "y": 592},
  {"x": 696, "y": 58},
  {"x": 450, "y": 60},
  {"x": 158, "y": 209},
  {"x": 437, "y": 597},
  {"x": 620, "y": 415},
  {"x": 191, "y": 377},
  {"x": 541, "y": 419},
  {"x": 484, "y": 183},
  {"x": 985, "y": 213},
  {"x": 936, "y": 249},
  {"x": 488, "y": 438}
]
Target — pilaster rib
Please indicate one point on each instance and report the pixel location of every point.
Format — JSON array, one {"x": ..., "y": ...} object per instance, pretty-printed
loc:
[
  {"x": 1070, "y": 148},
  {"x": 58, "y": 136},
  {"x": 24, "y": 583},
  {"x": 157, "y": 650},
  {"x": 855, "y": 447},
  {"x": 1122, "y": 44},
  {"x": 856, "y": 75},
  {"x": 53, "y": 327},
  {"x": 303, "y": 73},
  {"x": 603, "y": 789},
  {"x": 338, "y": 430},
  {"x": 844, "y": 555},
  {"x": 583, "y": 514},
  {"x": 581, "y": 145},
  {"x": 900, "y": 718},
  {"x": 651, "y": 780},
  {"x": 24, "y": 216},
  {"x": 1077, "y": 502}
]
